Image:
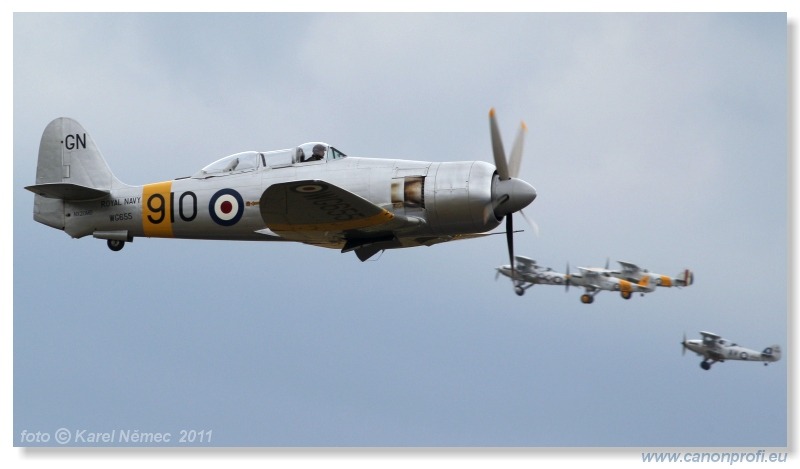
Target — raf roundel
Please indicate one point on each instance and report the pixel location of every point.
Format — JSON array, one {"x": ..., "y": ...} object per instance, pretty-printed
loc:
[
  {"x": 226, "y": 207},
  {"x": 309, "y": 188}
]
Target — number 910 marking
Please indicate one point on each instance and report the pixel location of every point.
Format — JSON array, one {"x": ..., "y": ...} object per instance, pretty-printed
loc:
[{"x": 159, "y": 206}]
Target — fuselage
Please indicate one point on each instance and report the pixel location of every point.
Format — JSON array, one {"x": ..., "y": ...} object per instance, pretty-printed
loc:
[
  {"x": 450, "y": 199},
  {"x": 601, "y": 279},
  {"x": 718, "y": 352},
  {"x": 312, "y": 193}
]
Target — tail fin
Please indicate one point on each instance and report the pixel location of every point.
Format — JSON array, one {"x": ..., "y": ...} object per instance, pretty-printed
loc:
[
  {"x": 685, "y": 278},
  {"x": 69, "y": 157},
  {"x": 772, "y": 352},
  {"x": 70, "y": 167}
]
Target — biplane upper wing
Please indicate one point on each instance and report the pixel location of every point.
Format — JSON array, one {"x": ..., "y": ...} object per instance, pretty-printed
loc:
[{"x": 525, "y": 264}]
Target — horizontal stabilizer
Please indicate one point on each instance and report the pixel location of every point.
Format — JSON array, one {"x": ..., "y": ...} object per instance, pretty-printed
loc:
[{"x": 67, "y": 191}]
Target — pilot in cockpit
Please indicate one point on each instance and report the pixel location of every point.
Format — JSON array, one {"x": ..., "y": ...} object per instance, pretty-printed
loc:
[{"x": 317, "y": 153}]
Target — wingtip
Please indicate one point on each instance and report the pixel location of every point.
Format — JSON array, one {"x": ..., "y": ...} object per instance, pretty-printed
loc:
[{"x": 491, "y": 112}]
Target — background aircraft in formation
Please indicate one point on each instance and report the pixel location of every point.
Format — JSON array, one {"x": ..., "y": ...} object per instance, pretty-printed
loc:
[
  {"x": 627, "y": 281},
  {"x": 716, "y": 349},
  {"x": 312, "y": 193}
]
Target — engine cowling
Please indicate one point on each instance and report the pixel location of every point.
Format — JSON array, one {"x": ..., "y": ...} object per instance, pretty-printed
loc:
[{"x": 469, "y": 197}]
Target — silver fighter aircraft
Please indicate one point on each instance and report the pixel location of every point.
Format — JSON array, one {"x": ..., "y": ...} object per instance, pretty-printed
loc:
[
  {"x": 312, "y": 193},
  {"x": 716, "y": 349}
]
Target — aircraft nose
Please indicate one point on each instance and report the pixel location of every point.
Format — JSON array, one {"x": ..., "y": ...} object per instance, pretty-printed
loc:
[{"x": 511, "y": 195}]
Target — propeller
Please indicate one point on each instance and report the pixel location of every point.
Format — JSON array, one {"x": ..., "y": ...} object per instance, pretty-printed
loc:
[
  {"x": 532, "y": 224},
  {"x": 509, "y": 194},
  {"x": 683, "y": 349},
  {"x": 567, "y": 279}
]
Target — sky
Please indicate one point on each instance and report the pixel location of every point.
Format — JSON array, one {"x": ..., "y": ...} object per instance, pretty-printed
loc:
[{"x": 655, "y": 138}]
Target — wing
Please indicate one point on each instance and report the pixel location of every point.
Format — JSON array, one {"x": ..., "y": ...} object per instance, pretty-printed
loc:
[
  {"x": 590, "y": 272},
  {"x": 525, "y": 263},
  {"x": 318, "y": 212},
  {"x": 709, "y": 335},
  {"x": 629, "y": 266},
  {"x": 629, "y": 271}
]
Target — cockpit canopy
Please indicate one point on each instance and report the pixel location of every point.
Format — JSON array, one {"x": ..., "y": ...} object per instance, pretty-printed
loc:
[
  {"x": 253, "y": 160},
  {"x": 239, "y": 162},
  {"x": 316, "y": 151}
]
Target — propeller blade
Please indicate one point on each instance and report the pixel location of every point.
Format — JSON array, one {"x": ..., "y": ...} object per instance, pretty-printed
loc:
[
  {"x": 567, "y": 281},
  {"x": 683, "y": 349},
  {"x": 510, "y": 241},
  {"x": 533, "y": 224},
  {"x": 515, "y": 159},
  {"x": 497, "y": 148}
]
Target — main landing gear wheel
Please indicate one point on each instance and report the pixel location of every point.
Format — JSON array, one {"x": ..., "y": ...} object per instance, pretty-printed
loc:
[
  {"x": 519, "y": 290},
  {"x": 626, "y": 295},
  {"x": 587, "y": 299},
  {"x": 705, "y": 365},
  {"x": 115, "y": 244}
]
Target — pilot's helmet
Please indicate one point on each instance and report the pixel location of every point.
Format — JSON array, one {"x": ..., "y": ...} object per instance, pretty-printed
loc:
[
  {"x": 300, "y": 154},
  {"x": 319, "y": 149}
]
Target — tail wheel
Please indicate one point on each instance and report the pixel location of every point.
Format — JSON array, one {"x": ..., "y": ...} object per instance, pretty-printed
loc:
[{"x": 115, "y": 244}]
